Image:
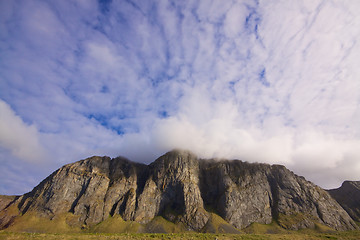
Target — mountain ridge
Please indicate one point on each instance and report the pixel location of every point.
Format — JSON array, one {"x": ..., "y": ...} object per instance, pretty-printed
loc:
[{"x": 181, "y": 188}]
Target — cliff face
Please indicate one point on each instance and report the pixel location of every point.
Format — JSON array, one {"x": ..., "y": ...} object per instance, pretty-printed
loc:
[
  {"x": 244, "y": 193},
  {"x": 348, "y": 196},
  {"x": 181, "y": 188}
]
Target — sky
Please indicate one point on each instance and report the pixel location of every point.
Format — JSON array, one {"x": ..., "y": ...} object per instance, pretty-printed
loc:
[{"x": 274, "y": 81}]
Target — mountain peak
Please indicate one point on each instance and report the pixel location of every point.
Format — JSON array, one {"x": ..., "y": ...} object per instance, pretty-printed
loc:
[
  {"x": 176, "y": 158},
  {"x": 180, "y": 153}
]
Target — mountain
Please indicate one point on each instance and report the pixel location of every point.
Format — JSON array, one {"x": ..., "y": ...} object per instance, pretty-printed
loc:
[
  {"x": 178, "y": 188},
  {"x": 348, "y": 196}
]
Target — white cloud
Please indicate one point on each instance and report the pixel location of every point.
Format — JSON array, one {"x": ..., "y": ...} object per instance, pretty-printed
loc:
[
  {"x": 268, "y": 81},
  {"x": 102, "y": 54},
  {"x": 18, "y": 137},
  {"x": 235, "y": 20},
  {"x": 326, "y": 159}
]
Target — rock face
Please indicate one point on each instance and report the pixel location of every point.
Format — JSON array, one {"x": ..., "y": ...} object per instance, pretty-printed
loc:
[
  {"x": 243, "y": 193},
  {"x": 6, "y": 215},
  {"x": 181, "y": 188},
  {"x": 348, "y": 196}
]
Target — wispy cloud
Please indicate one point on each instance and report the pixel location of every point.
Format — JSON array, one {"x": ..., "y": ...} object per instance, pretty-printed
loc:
[{"x": 261, "y": 81}]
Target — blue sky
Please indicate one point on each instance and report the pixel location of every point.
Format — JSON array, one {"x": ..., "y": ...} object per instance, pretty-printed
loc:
[{"x": 261, "y": 81}]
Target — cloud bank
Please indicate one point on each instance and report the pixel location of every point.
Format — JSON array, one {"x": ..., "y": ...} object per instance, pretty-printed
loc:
[{"x": 261, "y": 81}]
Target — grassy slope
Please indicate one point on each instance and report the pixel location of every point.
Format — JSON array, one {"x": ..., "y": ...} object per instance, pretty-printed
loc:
[
  {"x": 32, "y": 223},
  {"x": 258, "y": 228},
  {"x": 116, "y": 225},
  {"x": 216, "y": 224},
  {"x": 161, "y": 225},
  {"x": 30, "y": 226},
  {"x": 289, "y": 236}
]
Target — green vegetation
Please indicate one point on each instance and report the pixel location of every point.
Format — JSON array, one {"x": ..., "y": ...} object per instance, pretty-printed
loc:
[
  {"x": 177, "y": 236},
  {"x": 30, "y": 222},
  {"x": 258, "y": 228},
  {"x": 31, "y": 226},
  {"x": 117, "y": 225},
  {"x": 161, "y": 225},
  {"x": 216, "y": 224},
  {"x": 290, "y": 221}
]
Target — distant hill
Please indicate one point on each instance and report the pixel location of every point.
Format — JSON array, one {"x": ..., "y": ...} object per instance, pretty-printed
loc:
[{"x": 177, "y": 192}]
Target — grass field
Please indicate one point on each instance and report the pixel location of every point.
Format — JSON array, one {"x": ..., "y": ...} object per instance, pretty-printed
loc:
[
  {"x": 108, "y": 236},
  {"x": 64, "y": 226}
]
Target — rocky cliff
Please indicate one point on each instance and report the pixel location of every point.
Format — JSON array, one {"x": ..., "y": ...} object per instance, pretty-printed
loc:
[
  {"x": 348, "y": 196},
  {"x": 183, "y": 189}
]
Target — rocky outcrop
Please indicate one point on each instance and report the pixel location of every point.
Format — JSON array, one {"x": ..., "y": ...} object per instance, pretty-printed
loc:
[
  {"x": 7, "y": 213},
  {"x": 240, "y": 192},
  {"x": 306, "y": 202},
  {"x": 243, "y": 193},
  {"x": 348, "y": 196},
  {"x": 93, "y": 189},
  {"x": 5, "y": 201},
  {"x": 182, "y": 189},
  {"x": 173, "y": 183}
]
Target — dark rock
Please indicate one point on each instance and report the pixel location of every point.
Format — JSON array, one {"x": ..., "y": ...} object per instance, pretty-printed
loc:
[
  {"x": 243, "y": 193},
  {"x": 182, "y": 189},
  {"x": 306, "y": 202},
  {"x": 240, "y": 192},
  {"x": 173, "y": 191},
  {"x": 348, "y": 196}
]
